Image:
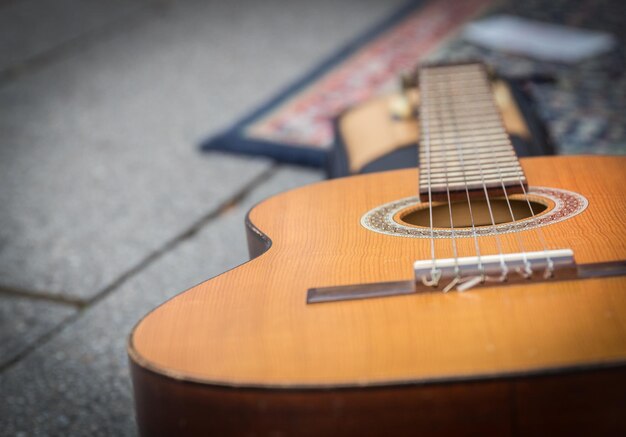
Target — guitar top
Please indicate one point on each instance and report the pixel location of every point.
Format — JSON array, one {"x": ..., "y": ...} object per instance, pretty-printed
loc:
[{"x": 371, "y": 310}]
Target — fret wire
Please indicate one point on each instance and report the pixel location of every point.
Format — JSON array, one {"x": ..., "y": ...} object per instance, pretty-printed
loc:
[
  {"x": 485, "y": 112},
  {"x": 483, "y": 130},
  {"x": 455, "y": 81},
  {"x": 470, "y": 83},
  {"x": 444, "y": 153},
  {"x": 513, "y": 164},
  {"x": 475, "y": 117},
  {"x": 448, "y": 154},
  {"x": 502, "y": 152},
  {"x": 512, "y": 159},
  {"x": 479, "y": 96},
  {"x": 507, "y": 172},
  {"x": 470, "y": 124},
  {"x": 437, "y": 79},
  {"x": 461, "y": 106},
  {"x": 473, "y": 93},
  {"x": 490, "y": 175},
  {"x": 446, "y": 71},
  {"x": 445, "y": 159},
  {"x": 478, "y": 185},
  {"x": 450, "y": 79},
  {"x": 462, "y": 98},
  {"x": 475, "y": 178},
  {"x": 459, "y": 76},
  {"x": 476, "y": 139},
  {"x": 477, "y": 132},
  {"x": 467, "y": 120},
  {"x": 480, "y": 139},
  {"x": 473, "y": 171},
  {"x": 491, "y": 145},
  {"x": 444, "y": 68}
]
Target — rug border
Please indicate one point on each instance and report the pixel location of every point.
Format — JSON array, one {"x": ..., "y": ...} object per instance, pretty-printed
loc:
[{"x": 232, "y": 139}]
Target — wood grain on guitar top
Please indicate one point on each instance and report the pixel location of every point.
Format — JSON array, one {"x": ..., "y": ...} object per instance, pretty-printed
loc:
[{"x": 251, "y": 326}]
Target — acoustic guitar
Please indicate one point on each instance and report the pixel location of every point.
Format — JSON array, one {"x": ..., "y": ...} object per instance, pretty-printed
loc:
[{"x": 478, "y": 295}]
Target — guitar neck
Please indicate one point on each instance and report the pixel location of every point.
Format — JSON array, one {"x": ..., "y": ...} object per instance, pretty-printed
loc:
[{"x": 464, "y": 147}]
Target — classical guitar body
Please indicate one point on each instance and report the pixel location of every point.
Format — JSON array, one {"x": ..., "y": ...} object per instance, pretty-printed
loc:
[
  {"x": 244, "y": 353},
  {"x": 477, "y": 295}
]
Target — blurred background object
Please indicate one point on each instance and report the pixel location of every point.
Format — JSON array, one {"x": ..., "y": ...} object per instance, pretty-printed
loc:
[
  {"x": 107, "y": 205},
  {"x": 296, "y": 124},
  {"x": 584, "y": 105},
  {"x": 541, "y": 41}
]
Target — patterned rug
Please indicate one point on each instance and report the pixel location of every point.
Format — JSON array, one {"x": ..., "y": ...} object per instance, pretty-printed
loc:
[
  {"x": 296, "y": 126},
  {"x": 583, "y": 106}
]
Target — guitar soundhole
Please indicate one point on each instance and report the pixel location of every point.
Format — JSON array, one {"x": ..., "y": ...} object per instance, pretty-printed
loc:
[
  {"x": 461, "y": 218},
  {"x": 409, "y": 217}
]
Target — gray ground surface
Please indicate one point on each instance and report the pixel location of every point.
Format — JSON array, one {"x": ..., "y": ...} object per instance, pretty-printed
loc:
[{"x": 106, "y": 206}]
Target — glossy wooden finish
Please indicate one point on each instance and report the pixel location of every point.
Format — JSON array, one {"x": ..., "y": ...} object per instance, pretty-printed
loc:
[
  {"x": 579, "y": 403},
  {"x": 251, "y": 326}
]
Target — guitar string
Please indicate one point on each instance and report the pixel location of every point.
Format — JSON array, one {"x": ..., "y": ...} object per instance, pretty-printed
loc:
[
  {"x": 435, "y": 274},
  {"x": 457, "y": 274},
  {"x": 494, "y": 229},
  {"x": 549, "y": 271},
  {"x": 452, "y": 113},
  {"x": 457, "y": 281},
  {"x": 527, "y": 271}
]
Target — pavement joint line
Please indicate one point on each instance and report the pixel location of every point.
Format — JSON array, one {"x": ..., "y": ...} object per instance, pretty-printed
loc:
[
  {"x": 147, "y": 261},
  {"x": 185, "y": 235},
  {"x": 42, "y": 295},
  {"x": 78, "y": 42}
]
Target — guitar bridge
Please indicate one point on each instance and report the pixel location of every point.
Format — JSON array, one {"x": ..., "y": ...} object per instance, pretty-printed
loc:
[{"x": 467, "y": 272}]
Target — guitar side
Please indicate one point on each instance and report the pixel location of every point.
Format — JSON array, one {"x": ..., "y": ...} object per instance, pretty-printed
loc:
[{"x": 243, "y": 352}]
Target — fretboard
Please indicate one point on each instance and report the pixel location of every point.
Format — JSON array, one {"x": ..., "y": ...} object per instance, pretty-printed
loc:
[{"x": 464, "y": 147}]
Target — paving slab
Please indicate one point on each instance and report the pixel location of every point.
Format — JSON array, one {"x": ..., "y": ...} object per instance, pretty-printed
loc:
[
  {"x": 23, "y": 321},
  {"x": 99, "y": 164},
  {"x": 77, "y": 384},
  {"x": 30, "y": 28}
]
